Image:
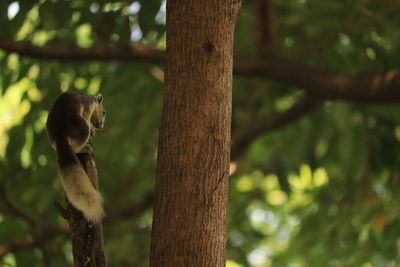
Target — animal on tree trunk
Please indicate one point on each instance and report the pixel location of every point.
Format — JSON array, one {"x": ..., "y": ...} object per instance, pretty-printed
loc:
[{"x": 72, "y": 120}]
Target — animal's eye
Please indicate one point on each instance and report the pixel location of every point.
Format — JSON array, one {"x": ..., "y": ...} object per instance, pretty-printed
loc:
[{"x": 104, "y": 112}]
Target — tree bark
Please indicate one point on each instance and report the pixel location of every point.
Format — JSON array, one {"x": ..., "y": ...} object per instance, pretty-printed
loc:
[{"x": 191, "y": 194}]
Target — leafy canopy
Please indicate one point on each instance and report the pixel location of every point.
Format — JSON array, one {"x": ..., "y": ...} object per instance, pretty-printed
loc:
[{"x": 320, "y": 192}]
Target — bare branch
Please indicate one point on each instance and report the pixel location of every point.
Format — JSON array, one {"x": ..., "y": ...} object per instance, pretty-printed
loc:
[
  {"x": 394, "y": 3},
  {"x": 271, "y": 122},
  {"x": 374, "y": 88},
  {"x": 133, "y": 210},
  {"x": 32, "y": 241},
  {"x": 381, "y": 87},
  {"x": 13, "y": 209},
  {"x": 73, "y": 53},
  {"x": 61, "y": 210},
  {"x": 49, "y": 232},
  {"x": 264, "y": 23}
]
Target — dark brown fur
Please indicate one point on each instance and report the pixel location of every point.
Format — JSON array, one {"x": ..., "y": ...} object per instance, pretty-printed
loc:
[{"x": 71, "y": 121}]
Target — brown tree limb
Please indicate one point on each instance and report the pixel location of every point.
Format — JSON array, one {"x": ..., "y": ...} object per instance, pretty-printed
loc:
[
  {"x": 394, "y": 3},
  {"x": 13, "y": 209},
  {"x": 61, "y": 210},
  {"x": 134, "y": 210},
  {"x": 48, "y": 232},
  {"x": 374, "y": 88},
  {"x": 264, "y": 24},
  {"x": 74, "y": 53},
  {"x": 272, "y": 122},
  {"x": 33, "y": 240}
]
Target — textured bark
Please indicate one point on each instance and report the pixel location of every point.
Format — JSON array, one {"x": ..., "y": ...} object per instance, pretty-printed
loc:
[
  {"x": 191, "y": 194},
  {"x": 86, "y": 238}
]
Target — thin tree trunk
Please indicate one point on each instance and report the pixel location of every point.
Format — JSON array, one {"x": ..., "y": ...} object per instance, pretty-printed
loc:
[
  {"x": 86, "y": 238},
  {"x": 191, "y": 195}
]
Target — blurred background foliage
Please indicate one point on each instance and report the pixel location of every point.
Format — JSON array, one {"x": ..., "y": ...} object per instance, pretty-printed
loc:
[{"x": 319, "y": 192}]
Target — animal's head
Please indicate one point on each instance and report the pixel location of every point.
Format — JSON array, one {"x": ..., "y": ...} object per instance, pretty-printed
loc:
[{"x": 99, "y": 114}]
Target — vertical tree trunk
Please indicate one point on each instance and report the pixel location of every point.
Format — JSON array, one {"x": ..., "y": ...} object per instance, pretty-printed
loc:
[{"x": 190, "y": 215}]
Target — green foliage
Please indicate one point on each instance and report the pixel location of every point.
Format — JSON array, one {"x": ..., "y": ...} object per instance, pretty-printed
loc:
[{"x": 321, "y": 192}]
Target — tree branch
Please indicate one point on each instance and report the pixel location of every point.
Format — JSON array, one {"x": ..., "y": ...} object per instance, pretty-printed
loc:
[
  {"x": 32, "y": 241},
  {"x": 61, "y": 210},
  {"x": 134, "y": 210},
  {"x": 394, "y": 3},
  {"x": 272, "y": 122},
  {"x": 264, "y": 23},
  {"x": 382, "y": 87},
  {"x": 73, "y": 53},
  {"x": 48, "y": 232},
  {"x": 13, "y": 209}
]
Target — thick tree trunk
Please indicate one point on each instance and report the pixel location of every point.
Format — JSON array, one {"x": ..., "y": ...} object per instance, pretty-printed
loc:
[{"x": 190, "y": 215}]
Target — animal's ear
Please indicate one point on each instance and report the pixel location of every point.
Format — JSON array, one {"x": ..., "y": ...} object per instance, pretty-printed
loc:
[{"x": 100, "y": 98}]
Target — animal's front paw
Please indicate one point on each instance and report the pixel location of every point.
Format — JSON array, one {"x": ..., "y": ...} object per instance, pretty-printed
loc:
[
  {"x": 92, "y": 131},
  {"x": 87, "y": 149}
]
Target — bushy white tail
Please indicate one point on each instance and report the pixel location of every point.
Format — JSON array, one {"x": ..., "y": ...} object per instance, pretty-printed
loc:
[
  {"x": 81, "y": 192},
  {"x": 77, "y": 185}
]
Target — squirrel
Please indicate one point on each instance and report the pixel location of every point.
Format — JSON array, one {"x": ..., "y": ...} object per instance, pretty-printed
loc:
[{"x": 71, "y": 122}]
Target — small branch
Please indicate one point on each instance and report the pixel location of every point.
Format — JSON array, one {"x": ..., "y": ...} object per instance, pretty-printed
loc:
[
  {"x": 61, "y": 210},
  {"x": 133, "y": 210},
  {"x": 272, "y": 122},
  {"x": 48, "y": 232},
  {"x": 33, "y": 240},
  {"x": 372, "y": 88},
  {"x": 28, "y": 241},
  {"x": 264, "y": 23},
  {"x": 12, "y": 209}
]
